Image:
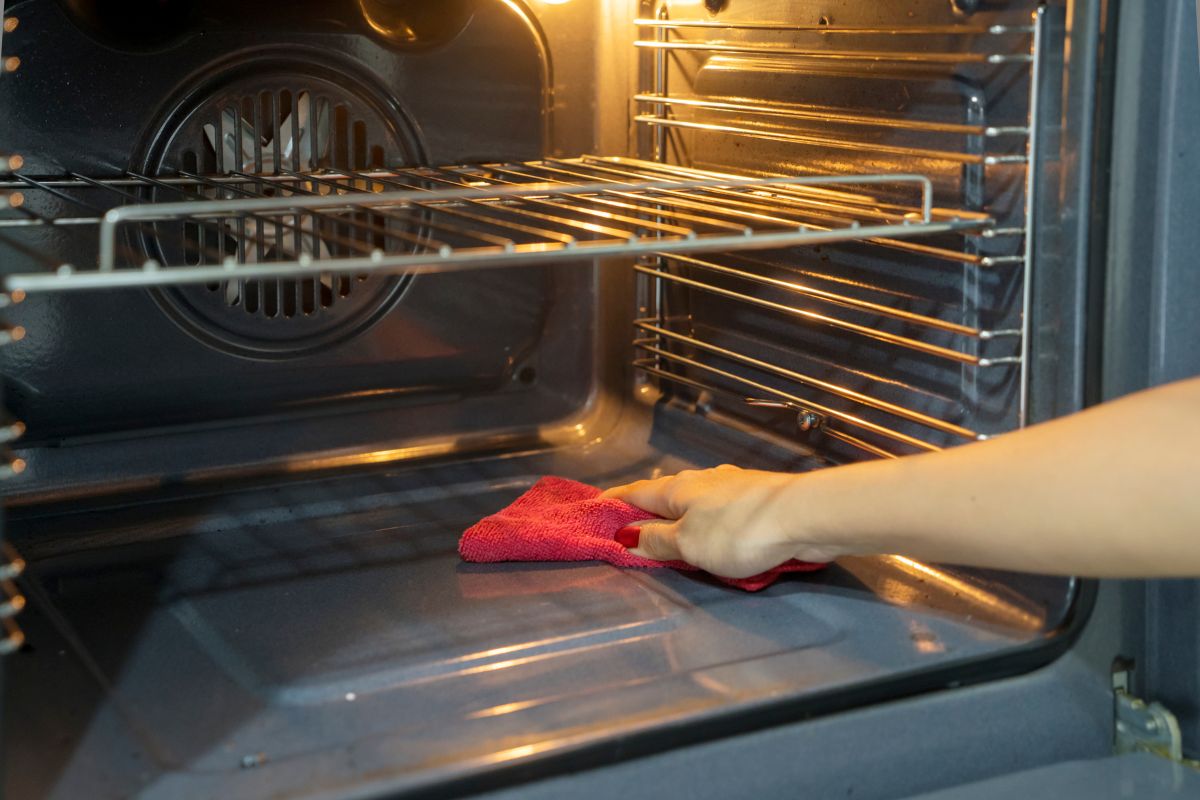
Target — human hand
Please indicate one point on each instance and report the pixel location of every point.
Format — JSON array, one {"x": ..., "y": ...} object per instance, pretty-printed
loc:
[{"x": 727, "y": 521}]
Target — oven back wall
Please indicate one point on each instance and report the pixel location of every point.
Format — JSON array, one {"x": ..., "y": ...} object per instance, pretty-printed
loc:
[{"x": 220, "y": 89}]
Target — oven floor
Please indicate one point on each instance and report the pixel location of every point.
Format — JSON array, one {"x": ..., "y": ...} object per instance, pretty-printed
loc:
[{"x": 323, "y": 638}]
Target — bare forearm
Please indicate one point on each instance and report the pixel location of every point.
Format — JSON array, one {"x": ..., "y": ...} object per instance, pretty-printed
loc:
[{"x": 1110, "y": 492}]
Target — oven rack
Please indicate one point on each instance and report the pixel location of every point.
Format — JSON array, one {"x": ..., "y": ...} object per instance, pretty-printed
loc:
[
  {"x": 717, "y": 86},
  {"x": 187, "y": 228},
  {"x": 856, "y": 417},
  {"x": 835, "y": 306},
  {"x": 878, "y": 414},
  {"x": 870, "y": 51}
]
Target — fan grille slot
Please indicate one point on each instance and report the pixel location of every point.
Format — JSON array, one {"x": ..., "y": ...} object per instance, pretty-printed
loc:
[{"x": 264, "y": 134}]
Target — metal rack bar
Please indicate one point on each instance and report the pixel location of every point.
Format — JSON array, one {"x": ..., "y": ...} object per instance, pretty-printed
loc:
[
  {"x": 650, "y": 326},
  {"x": 756, "y": 386},
  {"x": 349, "y": 222},
  {"x": 918, "y": 30},
  {"x": 488, "y": 239},
  {"x": 809, "y": 125},
  {"x": 812, "y": 205},
  {"x": 829, "y": 114},
  {"x": 833, "y": 322},
  {"x": 167, "y": 211},
  {"x": 675, "y": 213},
  {"x": 1038, "y": 49},
  {"x": 660, "y": 85},
  {"x": 843, "y": 300},
  {"x": 831, "y": 142},
  {"x": 580, "y": 208},
  {"x": 494, "y": 216},
  {"x": 941, "y": 253},
  {"x": 626, "y": 168},
  {"x": 913, "y": 57}
]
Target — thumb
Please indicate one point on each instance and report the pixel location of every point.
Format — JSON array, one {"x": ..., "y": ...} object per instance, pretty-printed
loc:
[{"x": 658, "y": 540}]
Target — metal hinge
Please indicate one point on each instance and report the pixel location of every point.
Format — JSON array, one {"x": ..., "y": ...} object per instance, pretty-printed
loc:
[{"x": 1143, "y": 727}]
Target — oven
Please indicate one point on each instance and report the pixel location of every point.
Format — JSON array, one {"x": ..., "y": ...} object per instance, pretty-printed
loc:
[{"x": 295, "y": 293}]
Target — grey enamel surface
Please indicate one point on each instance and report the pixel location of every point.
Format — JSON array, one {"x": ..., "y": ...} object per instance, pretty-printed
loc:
[
  {"x": 1138, "y": 775},
  {"x": 328, "y": 632}
]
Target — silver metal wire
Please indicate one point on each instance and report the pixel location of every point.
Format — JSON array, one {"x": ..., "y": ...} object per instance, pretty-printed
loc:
[
  {"x": 677, "y": 354},
  {"x": 897, "y": 30},
  {"x": 12, "y": 602},
  {"x": 465, "y": 217}
]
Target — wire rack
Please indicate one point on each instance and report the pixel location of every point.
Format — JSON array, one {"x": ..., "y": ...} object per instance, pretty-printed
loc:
[
  {"x": 849, "y": 358},
  {"x": 187, "y": 228}
]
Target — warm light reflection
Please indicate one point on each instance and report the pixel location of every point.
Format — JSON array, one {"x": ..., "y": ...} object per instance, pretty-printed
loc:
[
  {"x": 1004, "y": 610},
  {"x": 523, "y": 751},
  {"x": 924, "y": 639},
  {"x": 506, "y": 708}
]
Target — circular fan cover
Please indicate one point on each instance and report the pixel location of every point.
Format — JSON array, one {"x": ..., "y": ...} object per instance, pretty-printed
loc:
[{"x": 277, "y": 116}]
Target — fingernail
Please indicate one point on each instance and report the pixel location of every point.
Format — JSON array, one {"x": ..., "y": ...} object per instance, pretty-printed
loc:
[{"x": 628, "y": 536}]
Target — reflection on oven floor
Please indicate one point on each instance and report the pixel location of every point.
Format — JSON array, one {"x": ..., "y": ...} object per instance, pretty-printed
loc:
[{"x": 318, "y": 632}]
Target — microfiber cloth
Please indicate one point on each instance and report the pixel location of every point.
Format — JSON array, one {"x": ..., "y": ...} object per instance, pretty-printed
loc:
[{"x": 564, "y": 520}]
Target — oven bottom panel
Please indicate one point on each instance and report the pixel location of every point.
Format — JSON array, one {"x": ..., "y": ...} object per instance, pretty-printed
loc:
[{"x": 322, "y": 638}]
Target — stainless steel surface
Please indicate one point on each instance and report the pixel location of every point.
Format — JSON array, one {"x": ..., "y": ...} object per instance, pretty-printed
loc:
[{"x": 530, "y": 215}]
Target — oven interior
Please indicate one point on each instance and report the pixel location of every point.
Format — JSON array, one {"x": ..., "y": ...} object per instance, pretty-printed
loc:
[{"x": 296, "y": 294}]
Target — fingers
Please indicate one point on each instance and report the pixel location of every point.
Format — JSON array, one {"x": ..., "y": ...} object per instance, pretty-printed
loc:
[
  {"x": 658, "y": 541},
  {"x": 652, "y": 496}
]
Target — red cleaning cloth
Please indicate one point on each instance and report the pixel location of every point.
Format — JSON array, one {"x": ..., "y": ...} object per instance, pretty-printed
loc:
[{"x": 563, "y": 520}]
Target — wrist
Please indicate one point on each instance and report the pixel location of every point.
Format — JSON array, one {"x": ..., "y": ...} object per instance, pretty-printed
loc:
[{"x": 820, "y": 517}]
